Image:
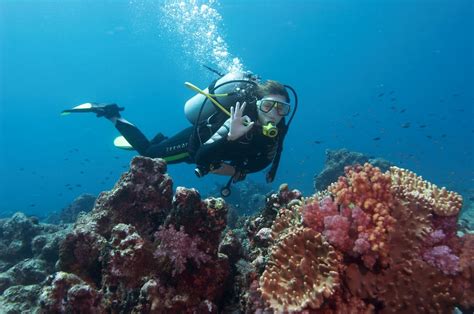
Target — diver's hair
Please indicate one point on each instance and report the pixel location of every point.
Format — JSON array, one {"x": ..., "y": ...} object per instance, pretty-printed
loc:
[{"x": 272, "y": 87}]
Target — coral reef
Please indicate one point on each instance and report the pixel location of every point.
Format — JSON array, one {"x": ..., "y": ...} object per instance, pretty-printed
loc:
[
  {"x": 337, "y": 160},
  {"x": 142, "y": 249},
  {"x": 389, "y": 237},
  {"x": 28, "y": 250},
  {"x": 373, "y": 242},
  {"x": 28, "y": 254},
  {"x": 364, "y": 195},
  {"x": 301, "y": 271}
]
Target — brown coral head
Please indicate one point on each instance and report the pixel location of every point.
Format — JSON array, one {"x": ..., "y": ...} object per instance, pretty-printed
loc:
[
  {"x": 413, "y": 188},
  {"x": 301, "y": 272}
]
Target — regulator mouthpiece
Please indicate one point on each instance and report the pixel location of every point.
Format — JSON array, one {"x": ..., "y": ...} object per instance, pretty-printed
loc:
[{"x": 270, "y": 130}]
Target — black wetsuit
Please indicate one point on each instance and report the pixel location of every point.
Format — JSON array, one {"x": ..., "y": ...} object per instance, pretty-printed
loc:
[{"x": 208, "y": 147}]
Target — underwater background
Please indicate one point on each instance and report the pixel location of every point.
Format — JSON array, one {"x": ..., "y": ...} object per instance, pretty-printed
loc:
[{"x": 390, "y": 79}]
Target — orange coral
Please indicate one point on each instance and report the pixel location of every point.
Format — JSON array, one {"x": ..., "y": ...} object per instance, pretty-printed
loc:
[
  {"x": 408, "y": 186},
  {"x": 301, "y": 272},
  {"x": 370, "y": 189},
  {"x": 409, "y": 284},
  {"x": 403, "y": 212}
]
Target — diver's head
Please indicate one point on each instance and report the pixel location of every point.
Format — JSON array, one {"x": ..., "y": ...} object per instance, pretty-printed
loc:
[{"x": 273, "y": 102}]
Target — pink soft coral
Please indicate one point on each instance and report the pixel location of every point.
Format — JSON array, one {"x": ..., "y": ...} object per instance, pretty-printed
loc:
[
  {"x": 337, "y": 231},
  {"x": 178, "y": 246},
  {"x": 441, "y": 257},
  {"x": 315, "y": 212}
]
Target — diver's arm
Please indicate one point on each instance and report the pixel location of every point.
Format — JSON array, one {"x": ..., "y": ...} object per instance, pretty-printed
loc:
[
  {"x": 216, "y": 147},
  {"x": 213, "y": 152}
]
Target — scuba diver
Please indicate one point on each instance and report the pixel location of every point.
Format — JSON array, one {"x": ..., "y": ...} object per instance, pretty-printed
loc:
[{"x": 245, "y": 140}]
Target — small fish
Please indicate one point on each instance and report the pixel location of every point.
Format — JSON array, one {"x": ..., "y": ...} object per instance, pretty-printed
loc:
[
  {"x": 393, "y": 99},
  {"x": 406, "y": 125},
  {"x": 443, "y": 135},
  {"x": 403, "y": 110},
  {"x": 22, "y": 169},
  {"x": 116, "y": 157},
  {"x": 32, "y": 205},
  {"x": 81, "y": 172},
  {"x": 422, "y": 126},
  {"x": 87, "y": 160},
  {"x": 380, "y": 95},
  {"x": 393, "y": 108},
  {"x": 429, "y": 136},
  {"x": 391, "y": 92},
  {"x": 471, "y": 198},
  {"x": 318, "y": 142},
  {"x": 78, "y": 185},
  {"x": 376, "y": 139}
]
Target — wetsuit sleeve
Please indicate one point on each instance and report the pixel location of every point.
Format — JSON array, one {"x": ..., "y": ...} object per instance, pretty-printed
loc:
[{"x": 215, "y": 148}]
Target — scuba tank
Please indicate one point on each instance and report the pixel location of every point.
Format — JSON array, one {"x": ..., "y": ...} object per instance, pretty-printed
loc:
[{"x": 227, "y": 90}]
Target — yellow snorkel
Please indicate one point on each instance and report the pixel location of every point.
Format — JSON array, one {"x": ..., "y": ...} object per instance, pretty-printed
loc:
[{"x": 269, "y": 129}]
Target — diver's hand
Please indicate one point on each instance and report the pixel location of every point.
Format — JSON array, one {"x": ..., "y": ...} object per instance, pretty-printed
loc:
[
  {"x": 239, "y": 125},
  {"x": 224, "y": 170}
]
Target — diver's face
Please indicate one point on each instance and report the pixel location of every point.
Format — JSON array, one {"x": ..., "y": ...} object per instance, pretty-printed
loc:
[{"x": 271, "y": 116}]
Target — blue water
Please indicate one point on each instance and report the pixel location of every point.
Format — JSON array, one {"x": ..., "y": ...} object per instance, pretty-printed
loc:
[{"x": 339, "y": 55}]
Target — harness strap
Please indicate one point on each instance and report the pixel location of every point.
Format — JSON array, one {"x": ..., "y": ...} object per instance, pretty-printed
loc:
[{"x": 276, "y": 161}]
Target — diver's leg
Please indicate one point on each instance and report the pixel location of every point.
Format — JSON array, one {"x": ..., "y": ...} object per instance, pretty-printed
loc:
[
  {"x": 173, "y": 149},
  {"x": 133, "y": 135}
]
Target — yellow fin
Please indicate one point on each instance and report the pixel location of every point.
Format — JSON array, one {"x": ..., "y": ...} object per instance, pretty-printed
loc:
[{"x": 122, "y": 143}]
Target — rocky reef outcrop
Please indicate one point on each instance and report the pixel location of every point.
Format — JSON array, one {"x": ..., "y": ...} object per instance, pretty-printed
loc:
[
  {"x": 337, "y": 160},
  {"x": 82, "y": 204},
  {"x": 29, "y": 251},
  {"x": 142, "y": 249}
]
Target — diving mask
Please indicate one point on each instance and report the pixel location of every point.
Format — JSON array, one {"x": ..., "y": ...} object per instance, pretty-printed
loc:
[{"x": 267, "y": 104}]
